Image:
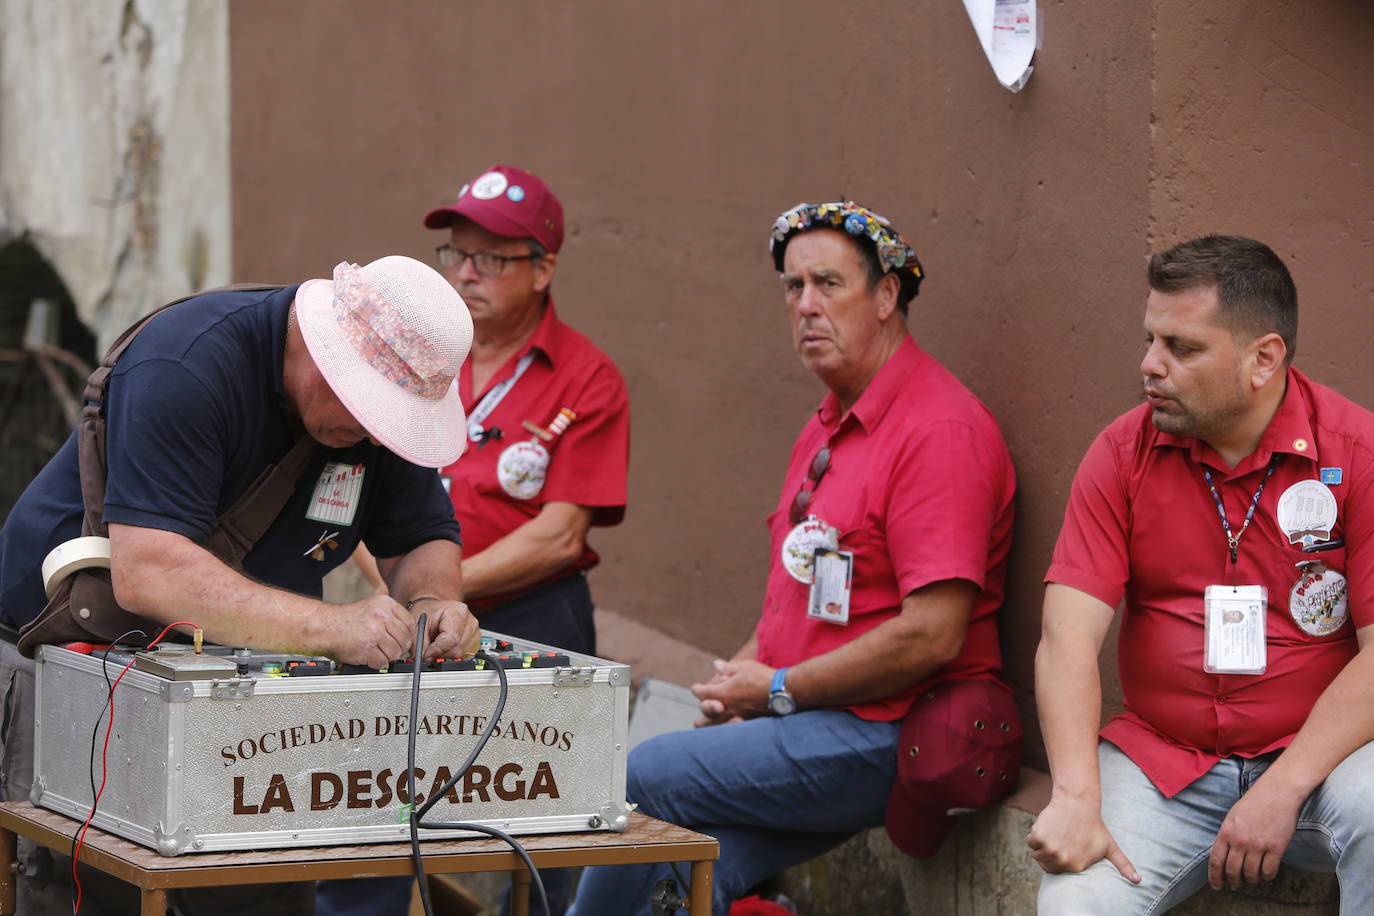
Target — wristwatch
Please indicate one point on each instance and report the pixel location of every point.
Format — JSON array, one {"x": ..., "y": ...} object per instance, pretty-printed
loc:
[{"x": 780, "y": 702}]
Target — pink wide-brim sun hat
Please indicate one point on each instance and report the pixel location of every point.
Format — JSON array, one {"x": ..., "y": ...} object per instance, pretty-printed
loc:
[{"x": 389, "y": 338}]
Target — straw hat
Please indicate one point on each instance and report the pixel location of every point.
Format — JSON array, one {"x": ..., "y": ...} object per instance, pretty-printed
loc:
[{"x": 389, "y": 338}]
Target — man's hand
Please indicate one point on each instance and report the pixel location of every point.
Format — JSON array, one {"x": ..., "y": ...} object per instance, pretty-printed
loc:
[
  {"x": 453, "y": 630},
  {"x": 1253, "y": 838},
  {"x": 371, "y": 632},
  {"x": 739, "y": 690},
  {"x": 1069, "y": 835}
]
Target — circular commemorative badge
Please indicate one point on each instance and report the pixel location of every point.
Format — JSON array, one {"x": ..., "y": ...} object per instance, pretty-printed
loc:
[
  {"x": 1307, "y": 512},
  {"x": 521, "y": 469},
  {"x": 1319, "y": 600},
  {"x": 800, "y": 546},
  {"x": 489, "y": 185}
]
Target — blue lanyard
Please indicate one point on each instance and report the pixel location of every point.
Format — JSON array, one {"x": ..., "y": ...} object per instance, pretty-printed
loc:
[{"x": 1233, "y": 540}]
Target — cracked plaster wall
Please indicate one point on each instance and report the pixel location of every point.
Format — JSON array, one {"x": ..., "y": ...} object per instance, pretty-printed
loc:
[{"x": 114, "y": 148}]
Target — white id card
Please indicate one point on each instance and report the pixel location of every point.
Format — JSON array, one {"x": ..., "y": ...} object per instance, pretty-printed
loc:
[
  {"x": 1234, "y": 619},
  {"x": 830, "y": 586}
]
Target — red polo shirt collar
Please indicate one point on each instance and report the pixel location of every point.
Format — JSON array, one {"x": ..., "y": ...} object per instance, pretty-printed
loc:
[{"x": 873, "y": 404}]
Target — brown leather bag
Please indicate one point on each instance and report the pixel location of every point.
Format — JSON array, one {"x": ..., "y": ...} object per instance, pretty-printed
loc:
[{"x": 84, "y": 606}]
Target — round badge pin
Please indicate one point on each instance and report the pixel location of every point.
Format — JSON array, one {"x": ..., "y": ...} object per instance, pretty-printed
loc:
[
  {"x": 799, "y": 547},
  {"x": 521, "y": 469},
  {"x": 515, "y": 193},
  {"x": 489, "y": 186},
  {"x": 1320, "y": 600},
  {"x": 1306, "y": 512}
]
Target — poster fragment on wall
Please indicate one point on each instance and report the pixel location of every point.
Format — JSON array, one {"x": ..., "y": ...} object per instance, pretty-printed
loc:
[{"x": 1007, "y": 31}]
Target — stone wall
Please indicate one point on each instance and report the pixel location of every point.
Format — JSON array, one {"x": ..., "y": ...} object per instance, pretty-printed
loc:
[{"x": 114, "y": 148}]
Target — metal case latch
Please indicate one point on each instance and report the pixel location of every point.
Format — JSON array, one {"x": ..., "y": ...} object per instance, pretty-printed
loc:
[
  {"x": 232, "y": 689},
  {"x": 572, "y": 677}
]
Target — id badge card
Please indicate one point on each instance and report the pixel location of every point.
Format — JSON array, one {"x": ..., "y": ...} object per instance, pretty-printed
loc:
[
  {"x": 1233, "y": 621},
  {"x": 830, "y": 586}
]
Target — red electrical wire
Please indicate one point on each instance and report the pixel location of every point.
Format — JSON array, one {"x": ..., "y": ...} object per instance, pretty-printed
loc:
[{"x": 104, "y": 771}]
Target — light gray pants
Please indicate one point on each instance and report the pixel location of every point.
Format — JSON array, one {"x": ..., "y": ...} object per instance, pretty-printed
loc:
[
  {"x": 1168, "y": 839},
  {"x": 45, "y": 876}
]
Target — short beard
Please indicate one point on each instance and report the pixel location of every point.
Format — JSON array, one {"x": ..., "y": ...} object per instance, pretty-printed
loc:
[{"x": 1200, "y": 423}]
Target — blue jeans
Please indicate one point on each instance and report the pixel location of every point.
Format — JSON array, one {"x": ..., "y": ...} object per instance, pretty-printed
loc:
[
  {"x": 1168, "y": 839},
  {"x": 773, "y": 791}
]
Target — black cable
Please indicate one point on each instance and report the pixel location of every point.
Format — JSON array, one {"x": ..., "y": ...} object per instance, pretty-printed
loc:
[
  {"x": 417, "y": 812},
  {"x": 95, "y": 733},
  {"x": 417, "y": 655}
]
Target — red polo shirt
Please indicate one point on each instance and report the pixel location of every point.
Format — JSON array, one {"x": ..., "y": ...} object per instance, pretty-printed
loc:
[
  {"x": 920, "y": 487},
  {"x": 587, "y": 463},
  {"x": 1142, "y": 526}
]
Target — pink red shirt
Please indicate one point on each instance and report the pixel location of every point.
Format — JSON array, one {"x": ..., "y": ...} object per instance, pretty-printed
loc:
[
  {"x": 920, "y": 487},
  {"x": 1141, "y": 525},
  {"x": 587, "y": 463}
]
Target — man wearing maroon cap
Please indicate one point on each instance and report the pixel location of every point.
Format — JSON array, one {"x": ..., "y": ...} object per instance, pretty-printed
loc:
[
  {"x": 878, "y": 630},
  {"x": 548, "y": 443},
  {"x": 548, "y": 417}
]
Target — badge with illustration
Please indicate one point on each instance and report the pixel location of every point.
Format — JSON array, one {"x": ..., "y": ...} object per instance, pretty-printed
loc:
[
  {"x": 1307, "y": 512},
  {"x": 799, "y": 547},
  {"x": 1319, "y": 601},
  {"x": 523, "y": 467}
]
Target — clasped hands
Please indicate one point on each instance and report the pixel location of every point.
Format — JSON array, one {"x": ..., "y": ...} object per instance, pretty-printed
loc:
[{"x": 738, "y": 690}]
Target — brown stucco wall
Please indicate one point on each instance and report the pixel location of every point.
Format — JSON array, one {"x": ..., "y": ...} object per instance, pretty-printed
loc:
[
  {"x": 1264, "y": 125},
  {"x": 674, "y": 134}
]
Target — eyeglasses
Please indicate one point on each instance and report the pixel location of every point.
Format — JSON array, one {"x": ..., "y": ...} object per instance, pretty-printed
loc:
[
  {"x": 486, "y": 263},
  {"x": 819, "y": 465}
]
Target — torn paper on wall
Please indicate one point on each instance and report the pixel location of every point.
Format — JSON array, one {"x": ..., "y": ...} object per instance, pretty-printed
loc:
[{"x": 1006, "y": 30}]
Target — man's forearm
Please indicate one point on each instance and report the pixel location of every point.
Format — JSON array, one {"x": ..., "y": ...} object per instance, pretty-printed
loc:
[
  {"x": 1341, "y": 722},
  {"x": 1068, "y": 688},
  {"x": 530, "y": 553},
  {"x": 893, "y": 656},
  {"x": 431, "y": 570},
  {"x": 180, "y": 580},
  {"x": 1068, "y": 695}
]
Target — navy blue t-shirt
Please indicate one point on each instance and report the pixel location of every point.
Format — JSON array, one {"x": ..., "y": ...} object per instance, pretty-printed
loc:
[{"x": 195, "y": 411}]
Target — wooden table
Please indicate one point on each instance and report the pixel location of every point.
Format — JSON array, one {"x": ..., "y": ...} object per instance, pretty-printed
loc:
[{"x": 646, "y": 840}]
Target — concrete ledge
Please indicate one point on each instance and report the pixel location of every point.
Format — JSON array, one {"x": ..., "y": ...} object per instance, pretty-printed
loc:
[
  {"x": 648, "y": 651},
  {"x": 984, "y": 869}
]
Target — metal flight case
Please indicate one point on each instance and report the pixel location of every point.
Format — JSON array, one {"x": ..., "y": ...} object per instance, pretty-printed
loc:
[{"x": 238, "y": 749}]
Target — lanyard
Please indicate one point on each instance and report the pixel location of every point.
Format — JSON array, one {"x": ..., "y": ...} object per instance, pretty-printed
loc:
[
  {"x": 493, "y": 397},
  {"x": 1233, "y": 540}
]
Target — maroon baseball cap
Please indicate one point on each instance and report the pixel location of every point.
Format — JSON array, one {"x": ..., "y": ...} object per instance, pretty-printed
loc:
[
  {"x": 507, "y": 201},
  {"x": 960, "y": 750}
]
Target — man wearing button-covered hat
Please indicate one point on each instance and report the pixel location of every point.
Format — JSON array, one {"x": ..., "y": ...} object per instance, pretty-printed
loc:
[
  {"x": 346, "y": 379},
  {"x": 878, "y": 631}
]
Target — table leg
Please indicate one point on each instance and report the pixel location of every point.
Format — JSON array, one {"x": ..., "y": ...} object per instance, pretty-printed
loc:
[
  {"x": 520, "y": 892},
  {"x": 154, "y": 902},
  {"x": 9, "y": 871},
  {"x": 699, "y": 894}
]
